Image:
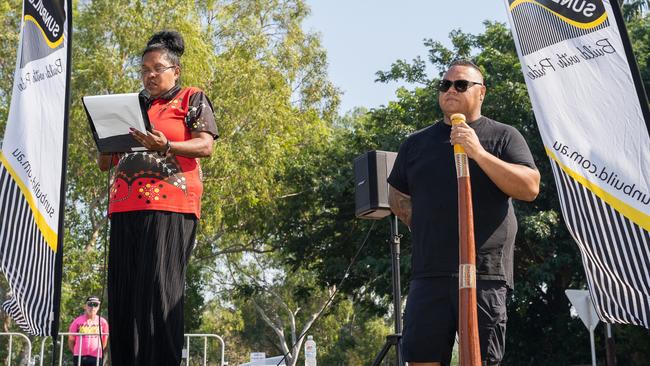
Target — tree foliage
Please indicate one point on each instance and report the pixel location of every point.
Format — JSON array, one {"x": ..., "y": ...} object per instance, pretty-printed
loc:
[
  {"x": 9, "y": 23},
  {"x": 278, "y": 233}
]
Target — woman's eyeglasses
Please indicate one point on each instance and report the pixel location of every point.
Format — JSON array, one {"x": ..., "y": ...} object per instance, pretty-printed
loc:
[
  {"x": 157, "y": 70},
  {"x": 92, "y": 304},
  {"x": 461, "y": 86}
]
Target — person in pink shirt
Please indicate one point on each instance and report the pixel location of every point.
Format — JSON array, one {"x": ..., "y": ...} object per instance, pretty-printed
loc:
[{"x": 85, "y": 349}]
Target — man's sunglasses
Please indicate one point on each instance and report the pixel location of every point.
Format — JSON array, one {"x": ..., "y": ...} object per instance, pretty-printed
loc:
[
  {"x": 92, "y": 304},
  {"x": 461, "y": 86}
]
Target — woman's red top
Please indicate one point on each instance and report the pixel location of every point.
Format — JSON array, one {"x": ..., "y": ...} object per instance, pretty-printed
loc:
[{"x": 149, "y": 181}]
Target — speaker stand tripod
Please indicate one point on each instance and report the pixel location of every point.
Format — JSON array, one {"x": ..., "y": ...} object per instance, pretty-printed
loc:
[{"x": 394, "y": 339}]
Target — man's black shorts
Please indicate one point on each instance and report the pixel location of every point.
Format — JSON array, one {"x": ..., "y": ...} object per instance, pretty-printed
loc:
[{"x": 431, "y": 319}]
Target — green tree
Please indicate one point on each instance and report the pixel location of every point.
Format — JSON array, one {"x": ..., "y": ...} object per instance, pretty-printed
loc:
[
  {"x": 633, "y": 9},
  {"x": 8, "y": 43},
  {"x": 638, "y": 28},
  {"x": 286, "y": 304},
  {"x": 280, "y": 308}
]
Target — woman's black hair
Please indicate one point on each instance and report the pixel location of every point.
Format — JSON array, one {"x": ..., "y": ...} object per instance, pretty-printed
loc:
[{"x": 170, "y": 42}]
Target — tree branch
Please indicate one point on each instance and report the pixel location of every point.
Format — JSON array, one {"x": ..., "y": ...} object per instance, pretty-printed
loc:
[{"x": 278, "y": 331}]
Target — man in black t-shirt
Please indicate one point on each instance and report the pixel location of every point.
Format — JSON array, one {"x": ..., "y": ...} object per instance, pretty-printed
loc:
[{"x": 423, "y": 194}]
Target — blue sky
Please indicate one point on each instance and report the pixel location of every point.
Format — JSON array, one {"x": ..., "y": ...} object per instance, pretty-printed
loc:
[{"x": 364, "y": 36}]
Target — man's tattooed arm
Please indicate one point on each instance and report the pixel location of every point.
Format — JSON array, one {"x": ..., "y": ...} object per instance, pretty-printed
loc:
[{"x": 400, "y": 204}]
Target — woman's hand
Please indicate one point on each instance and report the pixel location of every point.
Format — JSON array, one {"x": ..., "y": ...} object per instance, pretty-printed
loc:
[{"x": 154, "y": 140}]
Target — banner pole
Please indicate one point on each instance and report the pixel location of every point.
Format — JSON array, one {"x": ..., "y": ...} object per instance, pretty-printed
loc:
[{"x": 58, "y": 268}]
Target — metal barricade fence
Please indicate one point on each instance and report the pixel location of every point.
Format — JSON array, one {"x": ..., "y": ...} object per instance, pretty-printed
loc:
[
  {"x": 62, "y": 342},
  {"x": 205, "y": 337},
  {"x": 81, "y": 336},
  {"x": 11, "y": 341}
]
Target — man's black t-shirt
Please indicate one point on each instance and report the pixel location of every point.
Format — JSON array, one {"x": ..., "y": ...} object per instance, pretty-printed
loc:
[{"x": 425, "y": 170}]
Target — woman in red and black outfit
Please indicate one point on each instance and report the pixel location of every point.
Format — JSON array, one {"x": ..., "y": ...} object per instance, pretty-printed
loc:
[{"x": 155, "y": 202}]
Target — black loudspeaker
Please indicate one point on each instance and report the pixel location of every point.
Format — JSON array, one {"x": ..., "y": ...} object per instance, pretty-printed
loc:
[{"x": 370, "y": 186}]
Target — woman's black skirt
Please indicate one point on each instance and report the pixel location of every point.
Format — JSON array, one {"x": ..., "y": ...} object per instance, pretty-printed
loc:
[{"x": 148, "y": 256}]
